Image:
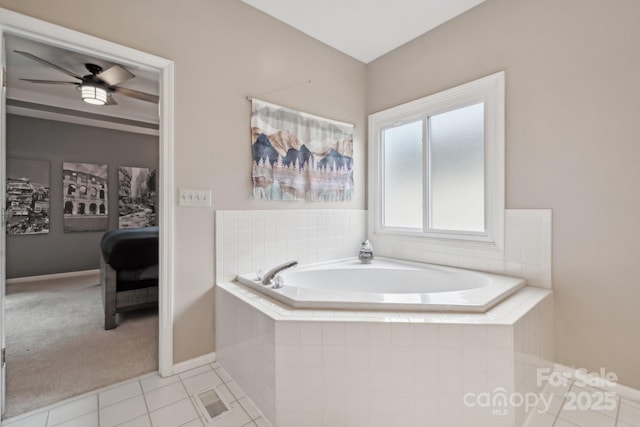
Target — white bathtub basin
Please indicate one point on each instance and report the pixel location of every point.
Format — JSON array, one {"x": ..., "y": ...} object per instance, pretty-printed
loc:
[{"x": 388, "y": 284}]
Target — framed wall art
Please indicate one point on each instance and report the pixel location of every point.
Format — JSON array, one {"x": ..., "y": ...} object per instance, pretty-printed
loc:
[
  {"x": 27, "y": 196},
  {"x": 136, "y": 197},
  {"x": 85, "y": 197}
]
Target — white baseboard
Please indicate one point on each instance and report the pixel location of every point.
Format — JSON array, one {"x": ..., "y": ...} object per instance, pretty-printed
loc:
[
  {"x": 619, "y": 389},
  {"x": 196, "y": 362},
  {"x": 53, "y": 276}
]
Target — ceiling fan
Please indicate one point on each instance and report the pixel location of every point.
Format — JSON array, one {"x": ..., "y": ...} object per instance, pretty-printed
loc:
[{"x": 98, "y": 86}]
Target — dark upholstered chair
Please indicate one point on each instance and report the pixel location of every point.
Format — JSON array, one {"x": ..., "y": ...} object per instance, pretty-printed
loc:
[{"x": 128, "y": 271}]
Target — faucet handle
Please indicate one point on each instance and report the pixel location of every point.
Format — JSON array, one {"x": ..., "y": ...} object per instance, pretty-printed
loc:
[
  {"x": 278, "y": 282},
  {"x": 259, "y": 275}
]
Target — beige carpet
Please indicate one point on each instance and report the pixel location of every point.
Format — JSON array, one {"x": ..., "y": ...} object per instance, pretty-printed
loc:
[{"x": 57, "y": 346}]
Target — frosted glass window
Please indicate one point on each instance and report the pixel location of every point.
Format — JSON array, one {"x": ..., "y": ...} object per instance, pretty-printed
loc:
[
  {"x": 403, "y": 179},
  {"x": 437, "y": 169},
  {"x": 456, "y": 169}
]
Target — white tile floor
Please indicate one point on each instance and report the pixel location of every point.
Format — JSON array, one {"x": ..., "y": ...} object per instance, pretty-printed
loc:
[
  {"x": 149, "y": 401},
  {"x": 565, "y": 411},
  {"x": 152, "y": 401}
]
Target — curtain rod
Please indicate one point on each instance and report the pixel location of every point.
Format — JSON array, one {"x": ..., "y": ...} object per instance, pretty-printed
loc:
[{"x": 308, "y": 82}]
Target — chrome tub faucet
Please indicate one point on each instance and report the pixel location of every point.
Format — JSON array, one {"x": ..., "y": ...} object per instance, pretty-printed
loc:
[{"x": 271, "y": 274}]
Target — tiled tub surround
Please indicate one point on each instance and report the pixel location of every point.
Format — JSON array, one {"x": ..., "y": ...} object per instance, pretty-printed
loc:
[
  {"x": 527, "y": 249},
  {"x": 247, "y": 241},
  {"x": 368, "y": 368},
  {"x": 340, "y": 367}
]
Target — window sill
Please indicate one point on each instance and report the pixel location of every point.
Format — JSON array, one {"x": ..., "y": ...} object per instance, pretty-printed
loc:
[{"x": 431, "y": 243}]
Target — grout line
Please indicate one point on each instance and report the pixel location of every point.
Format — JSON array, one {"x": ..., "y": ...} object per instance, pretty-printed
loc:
[
  {"x": 75, "y": 417},
  {"x": 124, "y": 422},
  {"x": 197, "y": 407},
  {"x": 99, "y": 411},
  {"x": 245, "y": 412},
  {"x": 193, "y": 396},
  {"x": 168, "y": 404},
  {"x": 119, "y": 401},
  {"x": 146, "y": 405},
  {"x": 618, "y": 411},
  {"x": 564, "y": 399},
  {"x": 198, "y": 418}
]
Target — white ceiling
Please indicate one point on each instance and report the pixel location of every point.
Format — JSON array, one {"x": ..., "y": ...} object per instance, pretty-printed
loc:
[
  {"x": 364, "y": 29},
  {"x": 65, "y": 99}
]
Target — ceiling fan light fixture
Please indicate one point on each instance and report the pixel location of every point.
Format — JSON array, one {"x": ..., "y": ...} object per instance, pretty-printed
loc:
[{"x": 93, "y": 95}]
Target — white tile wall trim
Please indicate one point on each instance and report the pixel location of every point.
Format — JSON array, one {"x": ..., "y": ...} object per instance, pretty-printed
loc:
[
  {"x": 247, "y": 241},
  {"x": 528, "y": 245},
  {"x": 527, "y": 252}
]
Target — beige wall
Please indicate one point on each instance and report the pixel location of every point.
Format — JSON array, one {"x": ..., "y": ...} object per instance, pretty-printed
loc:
[
  {"x": 572, "y": 113},
  {"x": 223, "y": 51},
  {"x": 573, "y": 145}
]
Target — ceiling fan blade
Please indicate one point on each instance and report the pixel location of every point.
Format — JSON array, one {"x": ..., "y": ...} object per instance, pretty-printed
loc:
[
  {"x": 143, "y": 96},
  {"x": 50, "y": 82},
  {"x": 111, "y": 101},
  {"x": 115, "y": 75},
  {"x": 48, "y": 64}
]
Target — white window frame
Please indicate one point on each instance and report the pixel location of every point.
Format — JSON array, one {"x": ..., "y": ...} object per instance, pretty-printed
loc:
[{"x": 489, "y": 90}]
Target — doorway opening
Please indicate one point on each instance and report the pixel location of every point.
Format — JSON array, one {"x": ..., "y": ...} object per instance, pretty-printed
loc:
[{"x": 17, "y": 25}]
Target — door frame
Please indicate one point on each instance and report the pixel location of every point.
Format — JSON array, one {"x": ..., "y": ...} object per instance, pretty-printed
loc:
[{"x": 34, "y": 29}]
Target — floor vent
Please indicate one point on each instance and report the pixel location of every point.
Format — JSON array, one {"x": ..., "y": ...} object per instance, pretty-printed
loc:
[{"x": 211, "y": 404}]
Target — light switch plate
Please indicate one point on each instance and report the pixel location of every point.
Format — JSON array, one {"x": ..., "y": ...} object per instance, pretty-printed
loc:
[{"x": 194, "y": 197}]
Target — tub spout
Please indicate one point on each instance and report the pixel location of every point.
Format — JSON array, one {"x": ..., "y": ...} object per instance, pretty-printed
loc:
[{"x": 268, "y": 278}]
